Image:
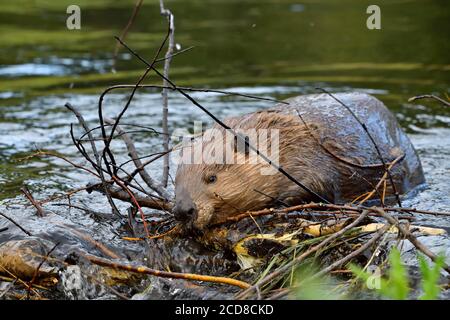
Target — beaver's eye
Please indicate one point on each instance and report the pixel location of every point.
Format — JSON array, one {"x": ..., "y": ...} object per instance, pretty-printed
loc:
[{"x": 211, "y": 179}]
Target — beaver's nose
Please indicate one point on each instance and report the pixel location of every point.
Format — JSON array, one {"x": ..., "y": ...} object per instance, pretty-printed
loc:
[{"x": 184, "y": 209}]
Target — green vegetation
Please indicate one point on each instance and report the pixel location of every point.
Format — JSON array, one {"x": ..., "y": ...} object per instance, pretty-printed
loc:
[{"x": 397, "y": 283}]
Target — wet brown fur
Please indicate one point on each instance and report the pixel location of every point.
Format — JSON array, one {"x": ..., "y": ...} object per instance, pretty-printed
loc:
[{"x": 306, "y": 153}]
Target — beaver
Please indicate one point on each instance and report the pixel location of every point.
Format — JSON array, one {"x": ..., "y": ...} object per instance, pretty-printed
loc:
[{"x": 320, "y": 144}]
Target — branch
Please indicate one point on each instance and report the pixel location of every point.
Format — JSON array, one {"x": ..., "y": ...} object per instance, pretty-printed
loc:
[
  {"x": 84, "y": 125},
  {"x": 15, "y": 223},
  {"x": 413, "y": 239},
  {"x": 120, "y": 194},
  {"x": 124, "y": 33},
  {"x": 429, "y": 96},
  {"x": 152, "y": 184},
  {"x": 27, "y": 193},
  {"x": 300, "y": 258},
  {"x": 164, "y": 274},
  {"x": 168, "y": 59}
]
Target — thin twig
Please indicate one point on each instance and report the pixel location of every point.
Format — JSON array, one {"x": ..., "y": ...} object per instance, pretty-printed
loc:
[
  {"x": 124, "y": 33},
  {"x": 382, "y": 181},
  {"x": 350, "y": 163},
  {"x": 189, "y": 89},
  {"x": 29, "y": 196},
  {"x": 430, "y": 96},
  {"x": 83, "y": 123},
  {"x": 166, "y": 138},
  {"x": 36, "y": 272},
  {"x": 151, "y": 183}
]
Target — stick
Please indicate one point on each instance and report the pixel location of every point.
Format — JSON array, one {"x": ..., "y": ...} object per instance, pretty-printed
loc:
[
  {"x": 27, "y": 193},
  {"x": 15, "y": 223},
  {"x": 300, "y": 258},
  {"x": 124, "y": 196},
  {"x": 340, "y": 262},
  {"x": 189, "y": 89},
  {"x": 170, "y": 18},
  {"x": 164, "y": 274},
  {"x": 382, "y": 180},
  {"x": 124, "y": 33},
  {"x": 152, "y": 184},
  {"x": 82, "y": 122},
  {"x": 354, "y": 254},
  {"x": 107, "y": 140},
  {"x": 37, "y": 270},
  {"x": 419, "y": 245},
  {"x": 429, "y": 96},
  {"x": 98, "y": 245}
]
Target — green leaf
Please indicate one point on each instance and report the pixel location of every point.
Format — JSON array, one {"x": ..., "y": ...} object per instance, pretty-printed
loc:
[{"x": 398, "y": 284}]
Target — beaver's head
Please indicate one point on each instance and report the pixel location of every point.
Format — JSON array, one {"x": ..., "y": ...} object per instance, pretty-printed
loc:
[{"x": 208, "y": 192}]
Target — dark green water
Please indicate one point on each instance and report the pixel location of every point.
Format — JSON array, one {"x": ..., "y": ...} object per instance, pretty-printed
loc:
[{"x": 237, "y": 43}]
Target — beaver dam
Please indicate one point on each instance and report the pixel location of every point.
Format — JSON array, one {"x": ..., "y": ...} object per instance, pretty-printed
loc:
[{"x": 331, "y": 199}]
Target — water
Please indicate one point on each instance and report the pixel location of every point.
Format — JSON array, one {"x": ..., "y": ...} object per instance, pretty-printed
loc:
[{"x": 270, "y": 48}]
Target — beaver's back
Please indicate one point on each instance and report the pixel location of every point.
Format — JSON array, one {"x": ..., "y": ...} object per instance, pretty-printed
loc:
[{"x": 339, "y": 130}]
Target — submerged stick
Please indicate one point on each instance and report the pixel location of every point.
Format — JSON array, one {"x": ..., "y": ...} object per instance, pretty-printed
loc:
[{"x": 164, "y": 274}]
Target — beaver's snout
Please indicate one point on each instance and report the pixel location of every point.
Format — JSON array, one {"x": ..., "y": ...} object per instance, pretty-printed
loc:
[{"x": 185, "y": 209}]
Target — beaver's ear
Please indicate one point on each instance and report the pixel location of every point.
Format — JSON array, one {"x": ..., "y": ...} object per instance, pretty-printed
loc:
[{"x": 240, "y": 145}]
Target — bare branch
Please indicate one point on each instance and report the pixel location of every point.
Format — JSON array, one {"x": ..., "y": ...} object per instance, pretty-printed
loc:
[
  {"x": 152, "y": 184},
  {"x": 170, "y": 18}
]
